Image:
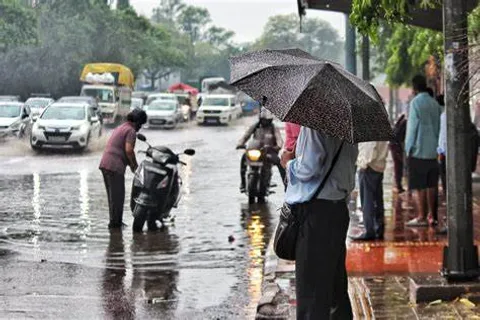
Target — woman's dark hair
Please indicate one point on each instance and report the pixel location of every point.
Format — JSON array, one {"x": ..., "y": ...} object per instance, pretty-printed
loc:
[
  {"x": 419, "y": 83},
  {"x": 137, "y": 116},
  {"x": 441, "y": 100},
  {"x": 430, "y": 92}
]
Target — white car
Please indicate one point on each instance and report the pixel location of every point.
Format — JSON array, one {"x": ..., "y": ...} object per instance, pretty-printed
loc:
[
  {"x": 14, "y": 119},
  {"x": 136, "y": 103},
  {"x": 163, "y": 114},
  {"x": 66, "y": 125},
  {"x": 160, "y": 96},
  {"x": 219, "y": 108},
  {"x": 37, "y": 105}
]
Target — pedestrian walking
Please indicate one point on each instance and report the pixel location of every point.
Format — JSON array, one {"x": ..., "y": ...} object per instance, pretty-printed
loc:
[
  {"x": 397, "y": 145},
  {"x": 372, "y": 160},
  {"x": 321, "y": 276},
  {"x": 442, "y": 146},
  {"x": 421, "y": 143},
  {"x": 118, "y": 154}
]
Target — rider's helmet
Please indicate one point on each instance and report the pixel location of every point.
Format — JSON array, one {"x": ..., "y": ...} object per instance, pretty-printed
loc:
[{"x": 266, "y": 117}]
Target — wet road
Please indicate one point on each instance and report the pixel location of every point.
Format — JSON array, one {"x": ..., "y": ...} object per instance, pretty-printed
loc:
[{"x": 58, "y": 260}]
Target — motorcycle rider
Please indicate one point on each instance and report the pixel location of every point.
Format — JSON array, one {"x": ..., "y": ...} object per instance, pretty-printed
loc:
[{"x": 264, "y": 131}]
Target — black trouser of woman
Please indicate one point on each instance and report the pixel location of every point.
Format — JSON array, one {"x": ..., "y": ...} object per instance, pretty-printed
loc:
[
  {"x": 398, "y": 159},
  {"x": 320, "y": 271},
  {"x": 115, "y": 186}
]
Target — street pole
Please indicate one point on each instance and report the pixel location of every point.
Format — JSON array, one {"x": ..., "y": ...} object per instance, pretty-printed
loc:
[
  {"x": 460, "y": 257},
  {"x": 350, "y": 45},
  {"x": 366, "y": 58}
]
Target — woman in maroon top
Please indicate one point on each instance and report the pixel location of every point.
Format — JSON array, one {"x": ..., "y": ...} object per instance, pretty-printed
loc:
[{"x": 119, "y": 153}]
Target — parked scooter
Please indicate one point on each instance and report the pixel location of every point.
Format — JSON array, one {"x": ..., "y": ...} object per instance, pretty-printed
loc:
[
  {"x": 156, "y": 186},
  {"x": 259, "y": 172}
]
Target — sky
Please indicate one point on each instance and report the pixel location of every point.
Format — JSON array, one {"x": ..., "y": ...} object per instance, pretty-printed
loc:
[{"x": 247, "y": 17}]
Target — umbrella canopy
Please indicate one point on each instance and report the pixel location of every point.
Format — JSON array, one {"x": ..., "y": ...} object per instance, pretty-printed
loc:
[
  {"x": 183, "y": 87},
  {"x": 318, "y": 94}
]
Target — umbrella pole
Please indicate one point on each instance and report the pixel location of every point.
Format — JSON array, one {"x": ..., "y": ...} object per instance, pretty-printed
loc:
[{"x": 460, "y": 257}]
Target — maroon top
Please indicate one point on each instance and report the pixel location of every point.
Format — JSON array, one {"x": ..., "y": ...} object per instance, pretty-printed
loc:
[{"x": 114, "y": 157}]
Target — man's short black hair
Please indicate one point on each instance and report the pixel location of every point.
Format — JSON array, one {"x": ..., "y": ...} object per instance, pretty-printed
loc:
[
  {"x": 137, "y": 116},
  {"x": 419, "y": 83}
]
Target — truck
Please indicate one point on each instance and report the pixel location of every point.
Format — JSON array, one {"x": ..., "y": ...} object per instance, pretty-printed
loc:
[{"x": 111, "y": 84}]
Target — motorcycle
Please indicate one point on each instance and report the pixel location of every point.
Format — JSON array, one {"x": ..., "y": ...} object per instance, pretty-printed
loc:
[
  {"x": 259, "y": 172},
  {"x": 156, "y": 186}
]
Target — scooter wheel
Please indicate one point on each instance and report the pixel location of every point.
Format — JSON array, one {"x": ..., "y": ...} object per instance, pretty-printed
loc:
[{"x": 140, "y": 216}]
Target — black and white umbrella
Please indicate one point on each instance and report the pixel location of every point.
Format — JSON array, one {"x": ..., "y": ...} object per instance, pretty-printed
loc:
[{"x": 299, "y": 88}]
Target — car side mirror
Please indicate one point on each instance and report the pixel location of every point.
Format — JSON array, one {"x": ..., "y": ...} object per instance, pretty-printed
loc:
[
  {"x": 189, "y": 152},
  {"x": 25, "y": 116},
  {"x": 34, "y": 118},
  {"x": 232, "y": 104},
  {"x": 94, "y": 119},
  {"x": 141, "y": 137}
]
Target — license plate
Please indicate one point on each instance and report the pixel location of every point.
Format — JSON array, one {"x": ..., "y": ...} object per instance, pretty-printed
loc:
[
  {"x": 211, "y": 120},
  {"x": 57, "y": 139},
  {"x": 157, "y": 121}
]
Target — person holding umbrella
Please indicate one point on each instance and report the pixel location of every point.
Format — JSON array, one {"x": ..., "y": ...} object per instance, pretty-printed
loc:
[{"x": 336, "y": 111}]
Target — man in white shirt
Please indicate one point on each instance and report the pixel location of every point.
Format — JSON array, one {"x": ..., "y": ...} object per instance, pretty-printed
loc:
[{"x": 372, "y": 160}]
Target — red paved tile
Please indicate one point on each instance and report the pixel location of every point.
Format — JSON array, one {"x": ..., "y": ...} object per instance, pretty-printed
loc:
[{"x": 405, "y": 250}]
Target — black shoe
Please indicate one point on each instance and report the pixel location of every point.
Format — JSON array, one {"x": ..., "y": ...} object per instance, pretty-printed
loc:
[{"x": 362, "y": 237}]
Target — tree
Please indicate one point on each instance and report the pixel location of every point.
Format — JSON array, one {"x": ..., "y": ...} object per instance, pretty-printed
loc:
[
  {"x": 193, "y": 20},
  {"x": 123, "y": 4},
  {"x": 17, "y": 25},
  {"x": 168, "y": 11},
  {"x": 318, "y": 37}
]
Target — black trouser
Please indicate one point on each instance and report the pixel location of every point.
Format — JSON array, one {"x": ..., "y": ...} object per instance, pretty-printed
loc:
[
  {"x": 371, "y": 198},
  {"x": 398, "y": 159},
  {"x": 321, "y": 275},
  {"x": 115, "y": 186},
  {"x": 443, "y": 173},
  {"x": 272, "y": 157}
]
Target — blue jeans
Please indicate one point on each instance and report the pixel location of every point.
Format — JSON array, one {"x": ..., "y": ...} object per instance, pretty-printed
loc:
[{"x": 371, "y": 197}]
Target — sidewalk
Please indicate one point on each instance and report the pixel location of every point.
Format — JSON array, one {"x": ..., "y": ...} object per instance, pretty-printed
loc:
[{"x": 380, "y": 271}]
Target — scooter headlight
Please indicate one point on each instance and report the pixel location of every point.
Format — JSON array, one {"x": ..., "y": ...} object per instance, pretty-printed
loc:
[{"x": 254, "y": 155}]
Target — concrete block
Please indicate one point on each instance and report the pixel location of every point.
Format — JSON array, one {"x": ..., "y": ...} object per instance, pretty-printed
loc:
[{"x": 431, "y": 288}]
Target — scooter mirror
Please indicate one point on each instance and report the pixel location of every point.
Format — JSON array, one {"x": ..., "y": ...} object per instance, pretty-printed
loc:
[
  {"x": 189, "y": 152},
  {"x": 141, "y": 137}
]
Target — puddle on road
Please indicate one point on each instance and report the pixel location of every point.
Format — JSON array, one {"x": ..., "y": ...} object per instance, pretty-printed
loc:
[{"x": 177, "y": 272}]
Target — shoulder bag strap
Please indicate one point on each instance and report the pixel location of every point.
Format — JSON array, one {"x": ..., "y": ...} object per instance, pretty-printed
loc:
[{"x": 327, "y": 175}]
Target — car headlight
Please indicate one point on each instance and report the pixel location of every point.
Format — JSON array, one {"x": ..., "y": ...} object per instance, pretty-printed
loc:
[{"x": 254, "y": 154}]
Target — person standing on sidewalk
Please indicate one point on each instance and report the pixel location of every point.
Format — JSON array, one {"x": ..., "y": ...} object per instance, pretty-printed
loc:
[
  {"x": 292, "y": 131},
  {"x": 396, "y": 148},
  {"x": 421, "y": 143},
  {"x": 119, "y": 153},
  {"x": 442, "y": 146},
  {"x": 372, "y": 160},
  {"x": 320, "y": 272}
]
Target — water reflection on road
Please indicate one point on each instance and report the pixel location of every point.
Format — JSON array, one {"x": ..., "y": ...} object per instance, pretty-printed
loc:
[{"x": 53, "y": 217}]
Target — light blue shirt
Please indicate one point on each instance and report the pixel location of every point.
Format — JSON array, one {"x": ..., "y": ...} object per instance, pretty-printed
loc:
[
  {"x": 423, "y": 127},
  {"x": 442, "y": 139},
  {"x": 314, "y": 155}
]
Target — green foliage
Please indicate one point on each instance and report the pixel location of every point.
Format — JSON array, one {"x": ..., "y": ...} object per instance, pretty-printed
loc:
[
  {"x": 318, "y": 37},
  {"x": 367, "y": 14},
  {"x": 48, "y": 53},
  {"x": 17, "y": 25},
  {"x": 193, "y": 20}
]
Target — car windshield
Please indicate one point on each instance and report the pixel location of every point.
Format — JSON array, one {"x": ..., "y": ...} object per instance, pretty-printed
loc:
[
  {"x": 162, "y": 106},
  {"x": 216, "y": 102},
  {"x": 10, "y": 111},
  {"x": 8, "y": 98},
  {"x": 163, "y": 98},
  {"x": 64, "y": 113},
  {"x": 137, "y": 103},
  {"x": 103, "y": 95},
  {"x": 37, "y": 103}
]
